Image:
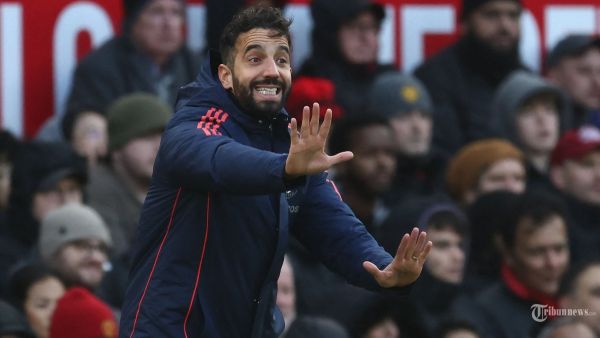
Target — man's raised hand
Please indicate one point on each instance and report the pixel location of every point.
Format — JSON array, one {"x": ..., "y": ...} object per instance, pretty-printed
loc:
[
  {"x": 307, "y": 149},
  {"x": 407, "y": 264}
]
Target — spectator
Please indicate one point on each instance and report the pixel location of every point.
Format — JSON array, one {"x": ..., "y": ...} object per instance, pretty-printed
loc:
[
  {"x": 441, "y": 281},
  {"x": 150, "y": 56},
  {"x": 531, "y": 113},
  {"x": 87, "y": 133},
  {"x": 45, "y": 177},
  {"x": 286, "y": 293},
  {"x": 343, "y": 63},
  {"x": 575, "y": 171},
  {"x": 574, "y": 65},
  {"x": 404, "y": 100},
  {"x": 487, "y": 215},
  {"x": 35, "y": 290},
  {"x": 462, "y": 79},
  {"x": 485, "y": 166},
  {"x": 365, "y": 179},
  {"x": 79, "y": 314},
  {"x": 8, "y": 151},
  {"x": 118, "y": 189},
  {"x": 535, "y": 256},
  {"x": 567, "y": 327},
  {"x": 12, "y": 324},
  {"x": 74, "y": 242},
  {"x": 579, "y": 290}
]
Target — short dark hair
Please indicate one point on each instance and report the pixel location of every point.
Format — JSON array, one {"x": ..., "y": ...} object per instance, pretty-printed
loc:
[
  {"x": 257, "y": 16},
  {"x": 448, "y": 220},
  {"x": 341, "y": 135},
  {"x": 23, "y": 277},
  {"x": 538, "y": 206},
  {"x": 451, "y": 324}
]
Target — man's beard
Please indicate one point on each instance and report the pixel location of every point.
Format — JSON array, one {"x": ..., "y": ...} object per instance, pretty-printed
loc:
[
  {"x": 265, "y": 109},
  {"x": 491, "y": 62}
]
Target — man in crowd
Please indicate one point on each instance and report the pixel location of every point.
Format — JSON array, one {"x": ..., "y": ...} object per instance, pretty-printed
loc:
[
  {"x": 574, "y": 65},
  {"x": 117, "y": 189},
  {"x": 535, "y": 256},
  {"x": 462, "y": 79},
  {"x": 575, "y": 171},
  {"x": 485, "y": 166},
  {"x": 215, "y": 223},
  {"x": 406, "y": 103},
  {"x": 343, "y": 63},
  {"x": 74, "y": 241},
  {"x": 365, "y": 178}
]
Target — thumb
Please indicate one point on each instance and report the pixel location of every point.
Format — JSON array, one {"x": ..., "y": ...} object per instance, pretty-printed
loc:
[
  {"x": 340, "y": 157},
  {"x": 372, "y": 269}
]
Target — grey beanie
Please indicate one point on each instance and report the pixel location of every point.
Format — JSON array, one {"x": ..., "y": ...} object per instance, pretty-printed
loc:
[
  {"x": 135, "y": 115},
  {"x": 69, "y": 223},
  {"x": 394, "y": 93},
  {"x": 512, "y": 93}
]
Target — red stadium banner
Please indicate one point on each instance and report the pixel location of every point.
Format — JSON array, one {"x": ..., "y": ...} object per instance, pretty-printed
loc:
[{"x": 41, "y": 41}]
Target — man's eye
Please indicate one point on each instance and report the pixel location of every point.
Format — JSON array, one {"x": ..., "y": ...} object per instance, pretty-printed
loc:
[
  {"x": 282, "y": 61},
  {"x": 254, "y": 59}
]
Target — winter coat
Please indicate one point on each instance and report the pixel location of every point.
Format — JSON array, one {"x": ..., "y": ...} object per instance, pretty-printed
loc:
[{"x": 215, "y": 223}]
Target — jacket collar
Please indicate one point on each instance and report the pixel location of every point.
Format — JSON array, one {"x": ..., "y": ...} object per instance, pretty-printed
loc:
[{"x": 519, "y": 289}]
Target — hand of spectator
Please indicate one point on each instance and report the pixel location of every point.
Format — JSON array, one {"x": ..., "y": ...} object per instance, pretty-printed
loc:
[
  {"x": 408, "y": 263},
  {"x": 307, "y": 150}
]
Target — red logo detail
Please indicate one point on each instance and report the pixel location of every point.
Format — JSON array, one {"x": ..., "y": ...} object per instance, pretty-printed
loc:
[{"x": 211, "y": 121}]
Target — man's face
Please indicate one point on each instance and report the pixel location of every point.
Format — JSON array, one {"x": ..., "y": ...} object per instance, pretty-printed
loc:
[
  {"x": 158, "y": 30},
  {"x": 413, "y": 133},
  {"x": 496, "y": 24},
  {"x": 538, "y": 125},
  {"x": 81, "y": 262},
  {"x": 580, "y": 178},
  {"x": 138, "y": 155},
  {"x": 507, "y": 174},
  {"x": 374, "y": 164},
  {"x": 90, "y": 136},
  {"x": 586, "y": 295},
  {"x": 579, "y": 76},
  {"x": 261, "y": 76},
  {"x": 359, "y": 39},
  {"x": 540, "y": 255},
  {"x": 67, "y": 190},
  {"x": 446, "y": 260}
]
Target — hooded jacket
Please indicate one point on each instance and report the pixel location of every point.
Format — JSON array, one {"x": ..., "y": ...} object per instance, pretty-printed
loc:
[
  {"x": 512, "y": 94},
  {"x": 214, "y": 226}
]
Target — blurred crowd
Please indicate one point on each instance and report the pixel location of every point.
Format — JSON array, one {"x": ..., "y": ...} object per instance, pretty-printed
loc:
[{"x": 499, "y": 164}]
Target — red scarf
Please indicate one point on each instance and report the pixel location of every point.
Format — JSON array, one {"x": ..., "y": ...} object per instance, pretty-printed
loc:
[{"x": 522, "y": 291}]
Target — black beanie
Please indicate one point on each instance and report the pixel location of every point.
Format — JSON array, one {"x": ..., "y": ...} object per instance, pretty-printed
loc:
[
  {"x": 471, "y": 5},
  {"x": 131, "y": 10}
]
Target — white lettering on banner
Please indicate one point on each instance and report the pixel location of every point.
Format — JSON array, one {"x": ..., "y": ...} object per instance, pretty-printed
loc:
[
  {"x": 301, "y": 32},
  {"x": 196, "y": 27},
  {"x": 562, "y": 20},
  {"x": 387, "y": 37},
  {"x": 11, "y": 67},
  {"x": 529, "y": 46},
  {"x": 418, "y": 21},
  {"x": 75, "y": 18}
]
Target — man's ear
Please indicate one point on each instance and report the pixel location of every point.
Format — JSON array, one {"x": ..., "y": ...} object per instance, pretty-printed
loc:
[{"x": 225, "y": 76}]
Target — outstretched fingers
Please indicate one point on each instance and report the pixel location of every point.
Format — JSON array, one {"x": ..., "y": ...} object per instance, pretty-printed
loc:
[
  {"x": 314, "y": 120},
  {"x": 294, "y": 131},
  {"x": 326, "y": 125},
  {"x": 305, "y": 127}
]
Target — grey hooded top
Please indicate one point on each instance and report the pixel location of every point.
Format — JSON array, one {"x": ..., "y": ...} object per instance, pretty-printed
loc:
[{"x": 513, "y": 92}]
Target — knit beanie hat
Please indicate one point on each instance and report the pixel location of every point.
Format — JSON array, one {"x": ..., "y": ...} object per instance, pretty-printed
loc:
[
  {"x": 394, "y": 94},
  {"x": 69, "y": 223},
  {"x": 80, "y": 314},
  {"x": 468, "y": 164},
  {"x": 134, "y": 116},
  {"x": 469, "y": 6},
  {"x": 131, "y": 11}
]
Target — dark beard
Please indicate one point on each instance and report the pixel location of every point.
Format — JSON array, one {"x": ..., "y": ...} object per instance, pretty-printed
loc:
[
  {"x": 493, "y": 64},
  {"x": 245, "y": 99}
]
